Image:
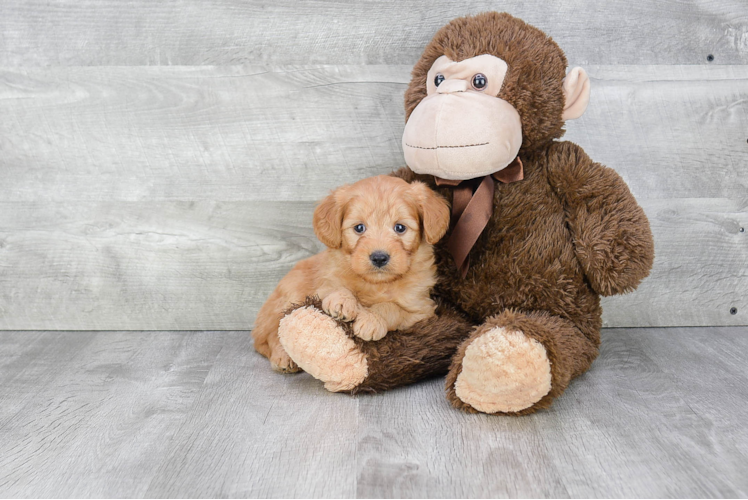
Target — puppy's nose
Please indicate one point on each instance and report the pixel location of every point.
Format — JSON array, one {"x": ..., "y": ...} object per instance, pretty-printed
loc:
[{"x": 379, "y": 258}]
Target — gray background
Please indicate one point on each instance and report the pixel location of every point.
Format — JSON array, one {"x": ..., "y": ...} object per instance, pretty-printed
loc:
[{"x": 159, "y": 161}]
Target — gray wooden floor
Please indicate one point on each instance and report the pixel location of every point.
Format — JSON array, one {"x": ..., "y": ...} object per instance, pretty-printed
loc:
[{"x": 195, "y": 414}]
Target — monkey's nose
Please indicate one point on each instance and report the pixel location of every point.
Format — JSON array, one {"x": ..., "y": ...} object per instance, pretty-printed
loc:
[
  {"x": 452, "y": 85},
  {"x": 379, "y": 258}
]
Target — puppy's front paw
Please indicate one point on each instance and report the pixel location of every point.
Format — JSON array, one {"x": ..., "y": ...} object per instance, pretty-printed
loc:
[
  {"x": 282, "y": 362},
  {"x": 341, "y": 305},
  {"x": 369, "y": 326}
]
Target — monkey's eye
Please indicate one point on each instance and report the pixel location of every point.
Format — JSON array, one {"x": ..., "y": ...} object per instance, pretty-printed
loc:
[
  {"x": 359, "y": 228},
  {"x": 480, "y": 81},
  {"x": 400, "y": 229},
  {"x": 438, "y": 79}
]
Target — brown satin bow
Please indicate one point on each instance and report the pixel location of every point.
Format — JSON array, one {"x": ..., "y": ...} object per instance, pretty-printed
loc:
[{"x": 472, "y": 208}]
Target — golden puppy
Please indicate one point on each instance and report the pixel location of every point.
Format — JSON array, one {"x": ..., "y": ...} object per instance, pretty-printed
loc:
[{"x": 378, "y": 269}]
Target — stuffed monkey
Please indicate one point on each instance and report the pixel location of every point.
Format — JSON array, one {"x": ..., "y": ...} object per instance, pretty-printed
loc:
[{"x": 538, "y": 232}]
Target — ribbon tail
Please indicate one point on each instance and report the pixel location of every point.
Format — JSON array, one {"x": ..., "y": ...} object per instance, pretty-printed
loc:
[
  {"x": 472, "y": 211},
  {"x": 469, "y": 227},
  {"x": 464, "y": 268}
]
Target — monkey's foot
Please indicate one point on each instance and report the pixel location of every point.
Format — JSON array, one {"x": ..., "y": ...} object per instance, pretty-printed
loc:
[
  {"x": 321, "y": 348},
  {"x": 503, "y": 371}
]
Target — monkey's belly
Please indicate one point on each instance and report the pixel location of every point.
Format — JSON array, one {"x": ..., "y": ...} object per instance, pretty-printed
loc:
[{"x": 524, "y": 281}]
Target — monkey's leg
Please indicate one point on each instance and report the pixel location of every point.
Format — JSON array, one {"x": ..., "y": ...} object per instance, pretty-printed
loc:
[
  {"x": 327, "y": 350},
  {"x": 517, "y": 363}
]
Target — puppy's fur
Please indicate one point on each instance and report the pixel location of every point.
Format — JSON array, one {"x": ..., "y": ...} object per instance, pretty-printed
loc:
[{"x": 377, "y": 299}]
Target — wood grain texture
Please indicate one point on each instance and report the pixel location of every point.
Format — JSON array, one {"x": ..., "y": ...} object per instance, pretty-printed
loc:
[
  {"x": 236, "y": 133},
  {"x": 700, "y": 271},
  {"x": 625, "y": 429},
  {"x": 153, "y": 266},
  {"x": 176, "y": 197},
  {"x": 175, "y": 32},
  {"x": 293, "y": 133},
  {"x": 31, "y": 362},
  {"x": 671, "y": 132},
  {"x": 723, "y": 397},
  {"x": 413, "y": 444},
  {"x": 638, "y": 424},
  {"x": 255, "y": 433},
  {"x": 199, "y": 414},
  {"x": 211, "y": 265},
  {"x": 101, "y": 424}
]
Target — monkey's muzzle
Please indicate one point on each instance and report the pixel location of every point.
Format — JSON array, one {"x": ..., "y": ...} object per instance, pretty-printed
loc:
[{"x": 461, "y": 135}]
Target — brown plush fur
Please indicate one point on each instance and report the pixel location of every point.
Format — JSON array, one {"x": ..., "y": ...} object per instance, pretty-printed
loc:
[
  {"x": 566, "y": 234},
  {"x": 425, "y": 351},
  {"x": 557, "y": 240},
  {"x": 569, "y": 232},
  {"x": 375, "y": 299},
  {"x": 398, "y": 359},
  {"x": 569, "y": 353}
]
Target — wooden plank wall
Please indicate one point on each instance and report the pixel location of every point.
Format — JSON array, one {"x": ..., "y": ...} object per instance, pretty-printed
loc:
[{"x": 159, "y": 161}]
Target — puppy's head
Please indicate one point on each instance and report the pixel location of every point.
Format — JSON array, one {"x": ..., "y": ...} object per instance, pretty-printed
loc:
[{"x": 379, "y": 223}]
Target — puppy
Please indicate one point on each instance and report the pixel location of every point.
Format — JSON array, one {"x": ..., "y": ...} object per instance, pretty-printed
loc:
[{"x": 378, "y": 269}]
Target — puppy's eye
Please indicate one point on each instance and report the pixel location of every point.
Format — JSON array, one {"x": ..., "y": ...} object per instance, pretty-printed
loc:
[
  {"x": 480, "y": 81},
  {"x": 438, "y": 79},
  {"x": 400, "y": 229},
  {"x": 359, "y": 228}
]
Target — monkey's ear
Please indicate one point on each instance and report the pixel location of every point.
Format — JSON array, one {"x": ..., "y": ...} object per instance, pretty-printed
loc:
[
  {"x": 434, "y": 212},
  {"x": 328, "y": 218},
  {"x": 576, "y": 94}
]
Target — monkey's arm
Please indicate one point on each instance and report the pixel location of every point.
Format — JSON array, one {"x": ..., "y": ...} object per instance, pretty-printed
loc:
[{"x": 612, "y": 238}]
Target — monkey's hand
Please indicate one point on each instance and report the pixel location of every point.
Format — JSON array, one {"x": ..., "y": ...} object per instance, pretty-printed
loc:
[{"x": 612, "y": 238}]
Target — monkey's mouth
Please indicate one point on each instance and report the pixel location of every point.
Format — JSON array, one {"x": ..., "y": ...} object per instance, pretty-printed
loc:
[{"x": 449, "y": 147}]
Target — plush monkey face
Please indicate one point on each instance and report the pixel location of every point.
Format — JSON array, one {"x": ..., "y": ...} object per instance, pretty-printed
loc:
[
  {"x": 462, "y": 129},
  {"x": 471, "y": 88}
]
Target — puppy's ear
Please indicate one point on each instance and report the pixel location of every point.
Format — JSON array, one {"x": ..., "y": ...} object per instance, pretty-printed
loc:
[
  {"x": 328, "y": 218},
  {"x": 434, "y": 212}
]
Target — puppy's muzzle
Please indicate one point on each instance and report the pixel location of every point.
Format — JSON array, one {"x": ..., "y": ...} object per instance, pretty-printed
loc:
[{"x": 379, "y": 258}]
